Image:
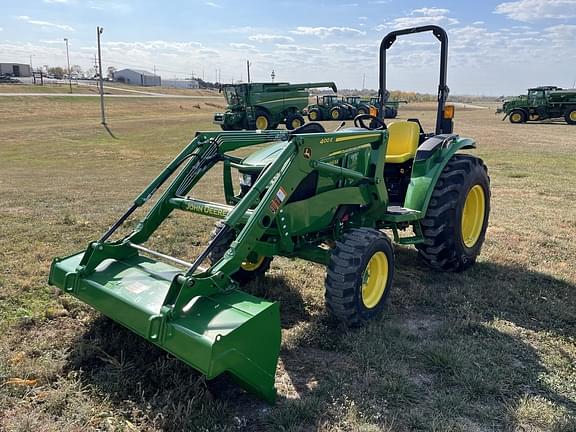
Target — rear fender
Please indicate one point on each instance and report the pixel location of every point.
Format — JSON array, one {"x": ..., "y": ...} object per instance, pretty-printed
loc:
[{"x": 431, "y": 158}]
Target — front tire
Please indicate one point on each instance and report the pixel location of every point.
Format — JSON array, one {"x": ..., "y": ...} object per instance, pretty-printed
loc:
[
  {"x": 249, "y": 269},
  {"x": 262, "y": 120},
  {"x": 517, "y": 116},
  {"x": 455, "y": 224},
  {"x": 314, "y": 115},
  {"x": 336, "y": 113},
  {"x": 294, "y": 121},
  {"x": 359, "y": 276},
  {"x": 570, "y": 116}
]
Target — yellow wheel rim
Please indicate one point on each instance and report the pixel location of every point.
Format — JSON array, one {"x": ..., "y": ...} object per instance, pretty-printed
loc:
[
  {"x": 374, "y": 280},
  {"x": 252, "y": 266},
  {"x": 296, "y": 123},
  {"x": 573, "y": 115},
  {"x": 313, "y": 115},
  {"x": 516, "y": 117},
  {"x": 473, "y": 216},
  {"x": 261, "y": 122},
  {"x": 335, "y": 114}
]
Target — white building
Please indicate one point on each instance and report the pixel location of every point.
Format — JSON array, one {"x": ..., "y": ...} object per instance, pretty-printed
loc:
[
  {"x": 137, "y": 77},
  {"x": 16, "y": 69},
  {"x": 188, "y": 83}
]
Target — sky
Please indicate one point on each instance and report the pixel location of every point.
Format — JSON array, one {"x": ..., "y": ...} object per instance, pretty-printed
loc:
[{"x": 495, "y": 47}]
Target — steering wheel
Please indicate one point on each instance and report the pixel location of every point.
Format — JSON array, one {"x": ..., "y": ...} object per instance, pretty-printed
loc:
[{"x": 375, "y": 122}]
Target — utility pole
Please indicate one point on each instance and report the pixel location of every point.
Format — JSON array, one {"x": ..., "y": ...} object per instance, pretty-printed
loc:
[
  {"x": 31, "y": 68},
  {"x": 99, "y": 31},
  {"x": 273, "y": 75},
  {"x": 364, "y": 82},
  {"x": 248, "y": 67},
  {"x": 154, "y": 70},
  {"x": 68, "y": 62}
]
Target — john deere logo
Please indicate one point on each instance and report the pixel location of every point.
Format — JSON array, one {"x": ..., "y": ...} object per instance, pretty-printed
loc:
[{"x": 307, "y": 153}]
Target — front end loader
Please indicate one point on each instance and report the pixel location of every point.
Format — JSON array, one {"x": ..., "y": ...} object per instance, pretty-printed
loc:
[{"x": 325, "y": 197}]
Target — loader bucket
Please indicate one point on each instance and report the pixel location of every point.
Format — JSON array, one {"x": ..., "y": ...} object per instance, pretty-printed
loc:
[{"x": 230, "y": 332}]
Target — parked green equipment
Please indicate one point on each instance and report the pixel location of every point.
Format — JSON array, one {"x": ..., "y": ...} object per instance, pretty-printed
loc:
[
  {"x": 541, "y": 103},
  {"x": 330, "y": 107},
  {"x": 361, "y": 107},
  {"x": 307, "y": 193},
  {"x": 265, "y": 105},
  {"x": 391, "y": 110}
]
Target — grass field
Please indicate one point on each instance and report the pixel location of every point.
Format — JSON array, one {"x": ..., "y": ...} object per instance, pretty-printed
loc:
[
  {"x": 89, "y": 87},
  {"x": 490, "y": 349}
]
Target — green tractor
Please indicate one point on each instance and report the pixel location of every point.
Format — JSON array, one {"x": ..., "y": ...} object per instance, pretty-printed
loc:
[
  {"x": 391, "y": 110},
  {"x": 360, "y": 106},
  {"x": 265, "y": 105},
  {"x": 541, "y": 103},
  {"x": 330, "y": 107},
  {"x": 325, "y": 197}
]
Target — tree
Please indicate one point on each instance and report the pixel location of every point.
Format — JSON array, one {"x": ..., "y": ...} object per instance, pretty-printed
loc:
[
  {"x": 76, "y": 70},
  {"x": 57, "y": 71},
  {"x": 110, "y": 72}
]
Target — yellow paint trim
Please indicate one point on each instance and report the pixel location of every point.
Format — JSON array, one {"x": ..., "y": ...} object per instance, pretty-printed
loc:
[
  {"x": 353, "y": 137},
  {"x": 286, "y": 99},
  {"x": 339, "y": 152}
]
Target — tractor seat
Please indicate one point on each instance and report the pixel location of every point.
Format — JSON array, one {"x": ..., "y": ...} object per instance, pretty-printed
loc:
[{"x": 403, "y": 138}]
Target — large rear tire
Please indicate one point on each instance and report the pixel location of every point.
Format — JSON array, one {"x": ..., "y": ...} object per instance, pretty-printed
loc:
[
  {"x": 455, "y": 224},
  {"x": 359, "y": 276},
  {"x": 249, "y": 269}
]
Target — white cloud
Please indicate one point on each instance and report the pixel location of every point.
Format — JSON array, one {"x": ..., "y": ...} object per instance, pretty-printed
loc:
[
  {"x": 45, "y": 24},
  {"x": 430, "y": 11},
  {"x": 298, "y": 48},
  {"x": 323, "y": 32},
  {"x": 59, "y": 1},
  {"x": 242, "y": 46},
  {"x": 261, "y": 37},
  {"x": 535, "y": 10},
  {"x": 418, "y": 17},
  {"x": 212, "y": 4},
  {"x": 110, "y": 6}
]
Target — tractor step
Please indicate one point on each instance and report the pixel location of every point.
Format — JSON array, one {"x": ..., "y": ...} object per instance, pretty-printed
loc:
[
  {"x": 401, "y": 214},
  {"x": 230, "y": 332}
]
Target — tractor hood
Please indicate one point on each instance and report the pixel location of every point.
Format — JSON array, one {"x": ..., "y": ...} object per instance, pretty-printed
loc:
[{"x": 266, "y": 155}]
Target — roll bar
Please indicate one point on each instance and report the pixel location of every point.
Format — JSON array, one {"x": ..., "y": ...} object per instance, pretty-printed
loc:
[{"x": 442, "y": 125}]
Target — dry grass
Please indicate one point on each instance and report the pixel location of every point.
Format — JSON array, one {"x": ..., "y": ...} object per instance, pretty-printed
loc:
[
  {"x": 85, "y": 87},
  {"x": 489, "y": 349}
]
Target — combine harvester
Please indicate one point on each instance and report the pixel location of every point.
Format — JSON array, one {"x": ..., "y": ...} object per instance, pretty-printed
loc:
[
  {"x": 264, "y": 106},
  {"x": 320, "y": 196}
]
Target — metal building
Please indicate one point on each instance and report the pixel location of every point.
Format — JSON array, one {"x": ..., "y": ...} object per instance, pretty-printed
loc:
[
  {"x": 189, "y": 83},
  {"x": 16, "y": 69},
  {"x": 137, "y": 77}
]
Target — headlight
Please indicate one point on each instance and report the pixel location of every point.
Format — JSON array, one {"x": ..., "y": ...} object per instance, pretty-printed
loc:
[{"x": 245, "y": 180}]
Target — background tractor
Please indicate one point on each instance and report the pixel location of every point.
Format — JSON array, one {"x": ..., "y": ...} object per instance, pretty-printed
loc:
[
  {"x": 330, "y": 107},
  {"x": 541, "y": 103},
  {"x": 361, "y": 107},
  {"x": 325, "y": 197},
  {"x": 265, "y": 105},
  {"x": 391, "y": 109}
]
